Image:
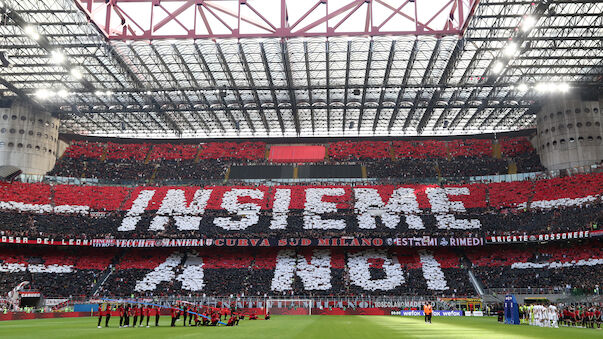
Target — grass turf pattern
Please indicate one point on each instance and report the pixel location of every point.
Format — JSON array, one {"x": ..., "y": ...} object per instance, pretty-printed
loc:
[{"x": 331, "y": 327}]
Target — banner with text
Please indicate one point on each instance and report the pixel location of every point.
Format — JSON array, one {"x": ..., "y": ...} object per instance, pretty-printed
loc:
[{"x": 503, "y": 239}]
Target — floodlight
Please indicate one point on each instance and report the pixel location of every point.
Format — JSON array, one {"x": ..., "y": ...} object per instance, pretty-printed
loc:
[
  {"x": 528, "y": 23},
  {"x": 76, "y": 73},
  {"x": 43, "y": 94},
  {"x": 31, "y": 31},
  {"x": 510, "y": 49},
  {"x": 57, "y": 57},
  {"x": 542, "y": 87},
  {"x": 563, "y": 87}
]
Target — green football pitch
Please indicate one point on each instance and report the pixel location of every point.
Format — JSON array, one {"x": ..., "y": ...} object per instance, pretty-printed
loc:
[{"x": 381, "y": 327}]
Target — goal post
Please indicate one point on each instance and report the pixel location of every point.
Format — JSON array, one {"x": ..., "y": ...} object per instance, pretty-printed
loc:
[{"x": 289, "y": 306}]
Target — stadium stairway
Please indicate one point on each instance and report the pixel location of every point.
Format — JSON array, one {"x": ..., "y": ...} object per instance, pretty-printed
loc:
[
  {"x": 101, "y": 281},
  {"x": 512, "y": 167},
  {"x": 478, "y": 286},
  {"x": 103, "y": 156},
  {"x": 197, "y": 158},
  {"x": 154, "y": 174},
  {"x": 496, "y": 152},
  {"x": 475, "y": 282},
  {"x": 106, "y": 273},
  {"x": 147, "y": 157}
]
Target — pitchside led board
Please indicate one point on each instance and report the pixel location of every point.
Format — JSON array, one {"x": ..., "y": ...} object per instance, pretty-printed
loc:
[{"x": 511, "y": 310}]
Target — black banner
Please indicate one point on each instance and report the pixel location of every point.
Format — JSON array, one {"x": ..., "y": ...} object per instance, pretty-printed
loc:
[
  {"x": 539, "y": 237},
  {"x": 292, "y": 242}
]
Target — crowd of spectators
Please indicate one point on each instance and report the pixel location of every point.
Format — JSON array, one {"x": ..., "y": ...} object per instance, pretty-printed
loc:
[
  {"x": 145, "y": 162},
  {"x": 383, "y": 159},
  {"x": 302, "y": 272},
  {"x": 524, "y": 154},
  {"x": 415, "y": 168},
  {"x": 257, "y": 272},
  {"x": 73, "y": 284},
  {"x": 563, "y": 268},
  {"x": 493, "y": 223},
  {"x": 64, "y": 272},
  {"x": 514, "y": 208}
]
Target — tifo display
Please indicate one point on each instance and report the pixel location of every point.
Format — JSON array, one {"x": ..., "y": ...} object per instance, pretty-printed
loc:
[
  {"x": 363, "y": 248},
  {"x": 324, "y": 271},
  {"x": 405, "y": 211}
]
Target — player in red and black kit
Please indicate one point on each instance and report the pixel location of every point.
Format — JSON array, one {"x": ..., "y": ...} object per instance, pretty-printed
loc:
[
  {"x": 564, "y": 318},
  {"x": 577, "y": 317},
  {"x": 157, "y": 310},
  {"x": 100, "y": 315},
  {"x": 147, "y": 312},
  {"x": 214, "y": 319},
  {"x": 196, "y": 316},
  {"x": 206, "y": 318},
  {"x": 174, "y": 314},
  {"x": 135, "y": 313},
  {"x": 139, "y": 310},
  {"x": 590, "y": 318},
  {"x": 107, "y": 315},
  {"x": 126, "y": 315},
  {"x": 184, "y": 315},
  {"x": 120, "y": 308},
  {"x": 231, "y": 321}
]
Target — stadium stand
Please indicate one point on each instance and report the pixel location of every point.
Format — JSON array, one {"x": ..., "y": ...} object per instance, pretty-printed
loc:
[
  {"x": 561, "y": 268},
  {"x": 383, "y": 159},
  {"x": 288, "y": 271},
  {"x": 458, "y": 222},
  {"x": 514, "y": 208},
  {"x": 318, "y": 272},
  {"x": 241, "y": 272},
  {"x": 65, "y": 273},
  {"x": 210, "y": 163},
  {"x": 158, "y": 161}
]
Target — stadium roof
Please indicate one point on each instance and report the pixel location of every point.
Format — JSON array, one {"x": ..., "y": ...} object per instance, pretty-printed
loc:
[{"x": 241, "y": 68}]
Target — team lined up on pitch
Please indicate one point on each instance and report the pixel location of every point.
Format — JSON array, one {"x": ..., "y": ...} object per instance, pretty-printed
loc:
[
  {"x": 134, "y": 314},
  {"x": 548, "y": 315}
]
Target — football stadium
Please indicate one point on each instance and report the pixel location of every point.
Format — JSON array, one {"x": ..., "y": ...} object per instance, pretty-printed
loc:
[{"x": 301, "y": 169}]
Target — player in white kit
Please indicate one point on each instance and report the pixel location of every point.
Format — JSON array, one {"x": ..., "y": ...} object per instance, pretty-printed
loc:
[{"x": 553, "y": 317}]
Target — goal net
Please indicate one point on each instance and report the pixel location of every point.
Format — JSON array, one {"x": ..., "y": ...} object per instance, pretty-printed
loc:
[{"x": 289, "y": 306}]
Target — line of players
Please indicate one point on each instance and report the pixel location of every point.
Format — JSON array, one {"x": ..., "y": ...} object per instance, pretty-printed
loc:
[
  {"x": 543, "y": 315},
  {"x": 197, "y": 315},
  {"x": 549, "y": 316},
  {"x": 582, "y": 315}
]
